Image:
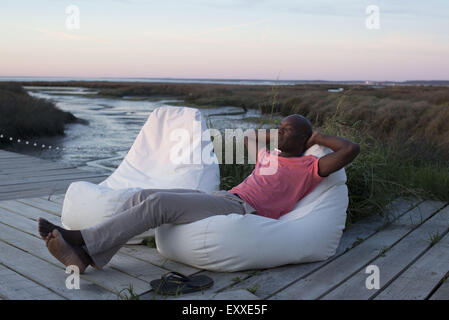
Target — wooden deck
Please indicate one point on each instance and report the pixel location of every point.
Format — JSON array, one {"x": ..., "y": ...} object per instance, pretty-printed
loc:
[
  {"x": 23, "y": 176},
  {"x": 411, "y": 252}
]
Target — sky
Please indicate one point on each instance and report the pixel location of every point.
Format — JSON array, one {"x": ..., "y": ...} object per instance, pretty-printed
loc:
[{"x": 226, "y": 39}]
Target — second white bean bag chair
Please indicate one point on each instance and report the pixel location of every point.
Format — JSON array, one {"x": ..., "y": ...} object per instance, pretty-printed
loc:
[
  {"x": 310, "y": 232},
  {"x": 170, "y": 151}
]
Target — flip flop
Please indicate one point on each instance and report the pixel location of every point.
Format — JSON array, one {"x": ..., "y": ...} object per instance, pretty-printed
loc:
[{"x": 174, "y": 283}]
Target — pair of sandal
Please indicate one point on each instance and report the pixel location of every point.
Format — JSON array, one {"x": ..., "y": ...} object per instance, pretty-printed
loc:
[{"x": 175, "y": 283}]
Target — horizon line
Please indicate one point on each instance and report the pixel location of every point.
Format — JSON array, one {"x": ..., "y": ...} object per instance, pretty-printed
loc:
[{"x": 224, "y": 79}]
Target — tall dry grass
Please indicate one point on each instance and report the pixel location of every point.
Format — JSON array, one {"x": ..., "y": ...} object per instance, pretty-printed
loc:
[
  {"x": 386, "y": 168},
  {"x": 24, "y": 116}
]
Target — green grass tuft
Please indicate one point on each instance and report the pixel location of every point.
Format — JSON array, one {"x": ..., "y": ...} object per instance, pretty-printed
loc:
[
  {"x": 149, "y": 242},
  {"x": 434, "y": 238},
  {"x": 128, "y": 294}
]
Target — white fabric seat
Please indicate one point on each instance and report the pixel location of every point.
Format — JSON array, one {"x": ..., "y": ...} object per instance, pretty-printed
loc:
[
  {"x": 310, "y": 232},
  {"x": 149, "y": 165}
]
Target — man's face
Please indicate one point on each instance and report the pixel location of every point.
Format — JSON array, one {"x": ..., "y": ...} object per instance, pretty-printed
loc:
[{"x": 288, "y": 136}]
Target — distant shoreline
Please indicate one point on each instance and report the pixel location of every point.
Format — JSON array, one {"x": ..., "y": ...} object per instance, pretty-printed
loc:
[{"x": 25, "y": 80}]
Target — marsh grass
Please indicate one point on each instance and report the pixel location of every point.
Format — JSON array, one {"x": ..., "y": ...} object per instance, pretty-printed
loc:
[
  {"x": 408, "y": 113},
  {"x": 403, "y": 131},
  {"x": 385, "y": 169},
  {"x": 24, "y": 116}
]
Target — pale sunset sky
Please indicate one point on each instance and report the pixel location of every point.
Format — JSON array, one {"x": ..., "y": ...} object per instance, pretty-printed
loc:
[{"x": 233, "y": 39}]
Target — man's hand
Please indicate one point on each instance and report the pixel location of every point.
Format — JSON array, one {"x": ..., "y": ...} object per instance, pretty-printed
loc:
[{"x": 311, "y": 140}]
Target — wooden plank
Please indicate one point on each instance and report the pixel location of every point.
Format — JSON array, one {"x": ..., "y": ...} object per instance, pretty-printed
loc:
[
  {"x": 14, "y": 286},
  {"x": 54, "y": 184},
  {"x": 237, "y": 294},
  {"x": 54, "y": 172},
  {"x": 19, "y": 222},
  {"x": 136, "y": 268},
  {"x": 151, "y": 255},
  {"x": 25, "y": 210},
  {"x": 271, "y": 280},
  {"x": 42, "y": 189},
  {"x": 442, "y": 293},
  {"x": 40, "y": 168},
  {"x": 4, "y": 155},
  {"x": 31, "y": 193},
  {"x": 11, "y": 153},
  {"x": 419, "y": 280},
  {"x": 12, "y": 182},
  {"x": 108, "y": 278},
  {"x": 47, "y": 275},
  {"x": 392, "y": 262},
  {"x": 22, "y": 160},
  {"x": 57, "y": 198},
  {"x": 28, "y": 194},
  {"x": 10, "y": 157},
  {"x": 7, "y": 154},
  {"x": 45, "y": 205},
  {"x": 24, "y": 163},
  {"x": 331, "y": 275}
]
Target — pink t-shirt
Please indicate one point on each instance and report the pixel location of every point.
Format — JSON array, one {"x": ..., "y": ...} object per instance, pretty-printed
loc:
[{"x": 274, "y": 195}]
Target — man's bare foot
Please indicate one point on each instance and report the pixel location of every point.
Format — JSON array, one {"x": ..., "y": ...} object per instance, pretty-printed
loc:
[
  {"x": 73, "y": 237},
  {"x": 66, "y": 253}
]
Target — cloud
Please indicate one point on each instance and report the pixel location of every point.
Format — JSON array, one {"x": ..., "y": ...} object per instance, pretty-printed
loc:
[
  {"x": 206, "y": 36},
  {"x": 59, "y": 35},
  {"x": 234, "y": 26}
]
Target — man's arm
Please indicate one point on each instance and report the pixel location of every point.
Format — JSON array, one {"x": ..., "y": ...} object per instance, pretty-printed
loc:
[{"x": 345, "y": 151}]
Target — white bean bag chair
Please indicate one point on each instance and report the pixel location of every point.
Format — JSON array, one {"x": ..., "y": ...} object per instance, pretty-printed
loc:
[
  {"x": 310, "y": 232},
  {"x": 170, "y": 151}
]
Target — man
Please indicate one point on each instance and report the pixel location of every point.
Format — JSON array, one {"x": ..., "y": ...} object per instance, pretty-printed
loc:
[{"x": 269, "y": 195}]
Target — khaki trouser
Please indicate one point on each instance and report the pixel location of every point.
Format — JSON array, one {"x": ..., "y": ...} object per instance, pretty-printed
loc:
[{"x": 150, "y": 208}]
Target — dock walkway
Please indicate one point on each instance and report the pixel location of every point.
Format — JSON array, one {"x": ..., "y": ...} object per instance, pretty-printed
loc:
[{"x": 411, "y": 252}]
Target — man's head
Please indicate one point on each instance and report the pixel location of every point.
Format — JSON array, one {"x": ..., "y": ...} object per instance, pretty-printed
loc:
[{"x": 293, "y": 133}]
